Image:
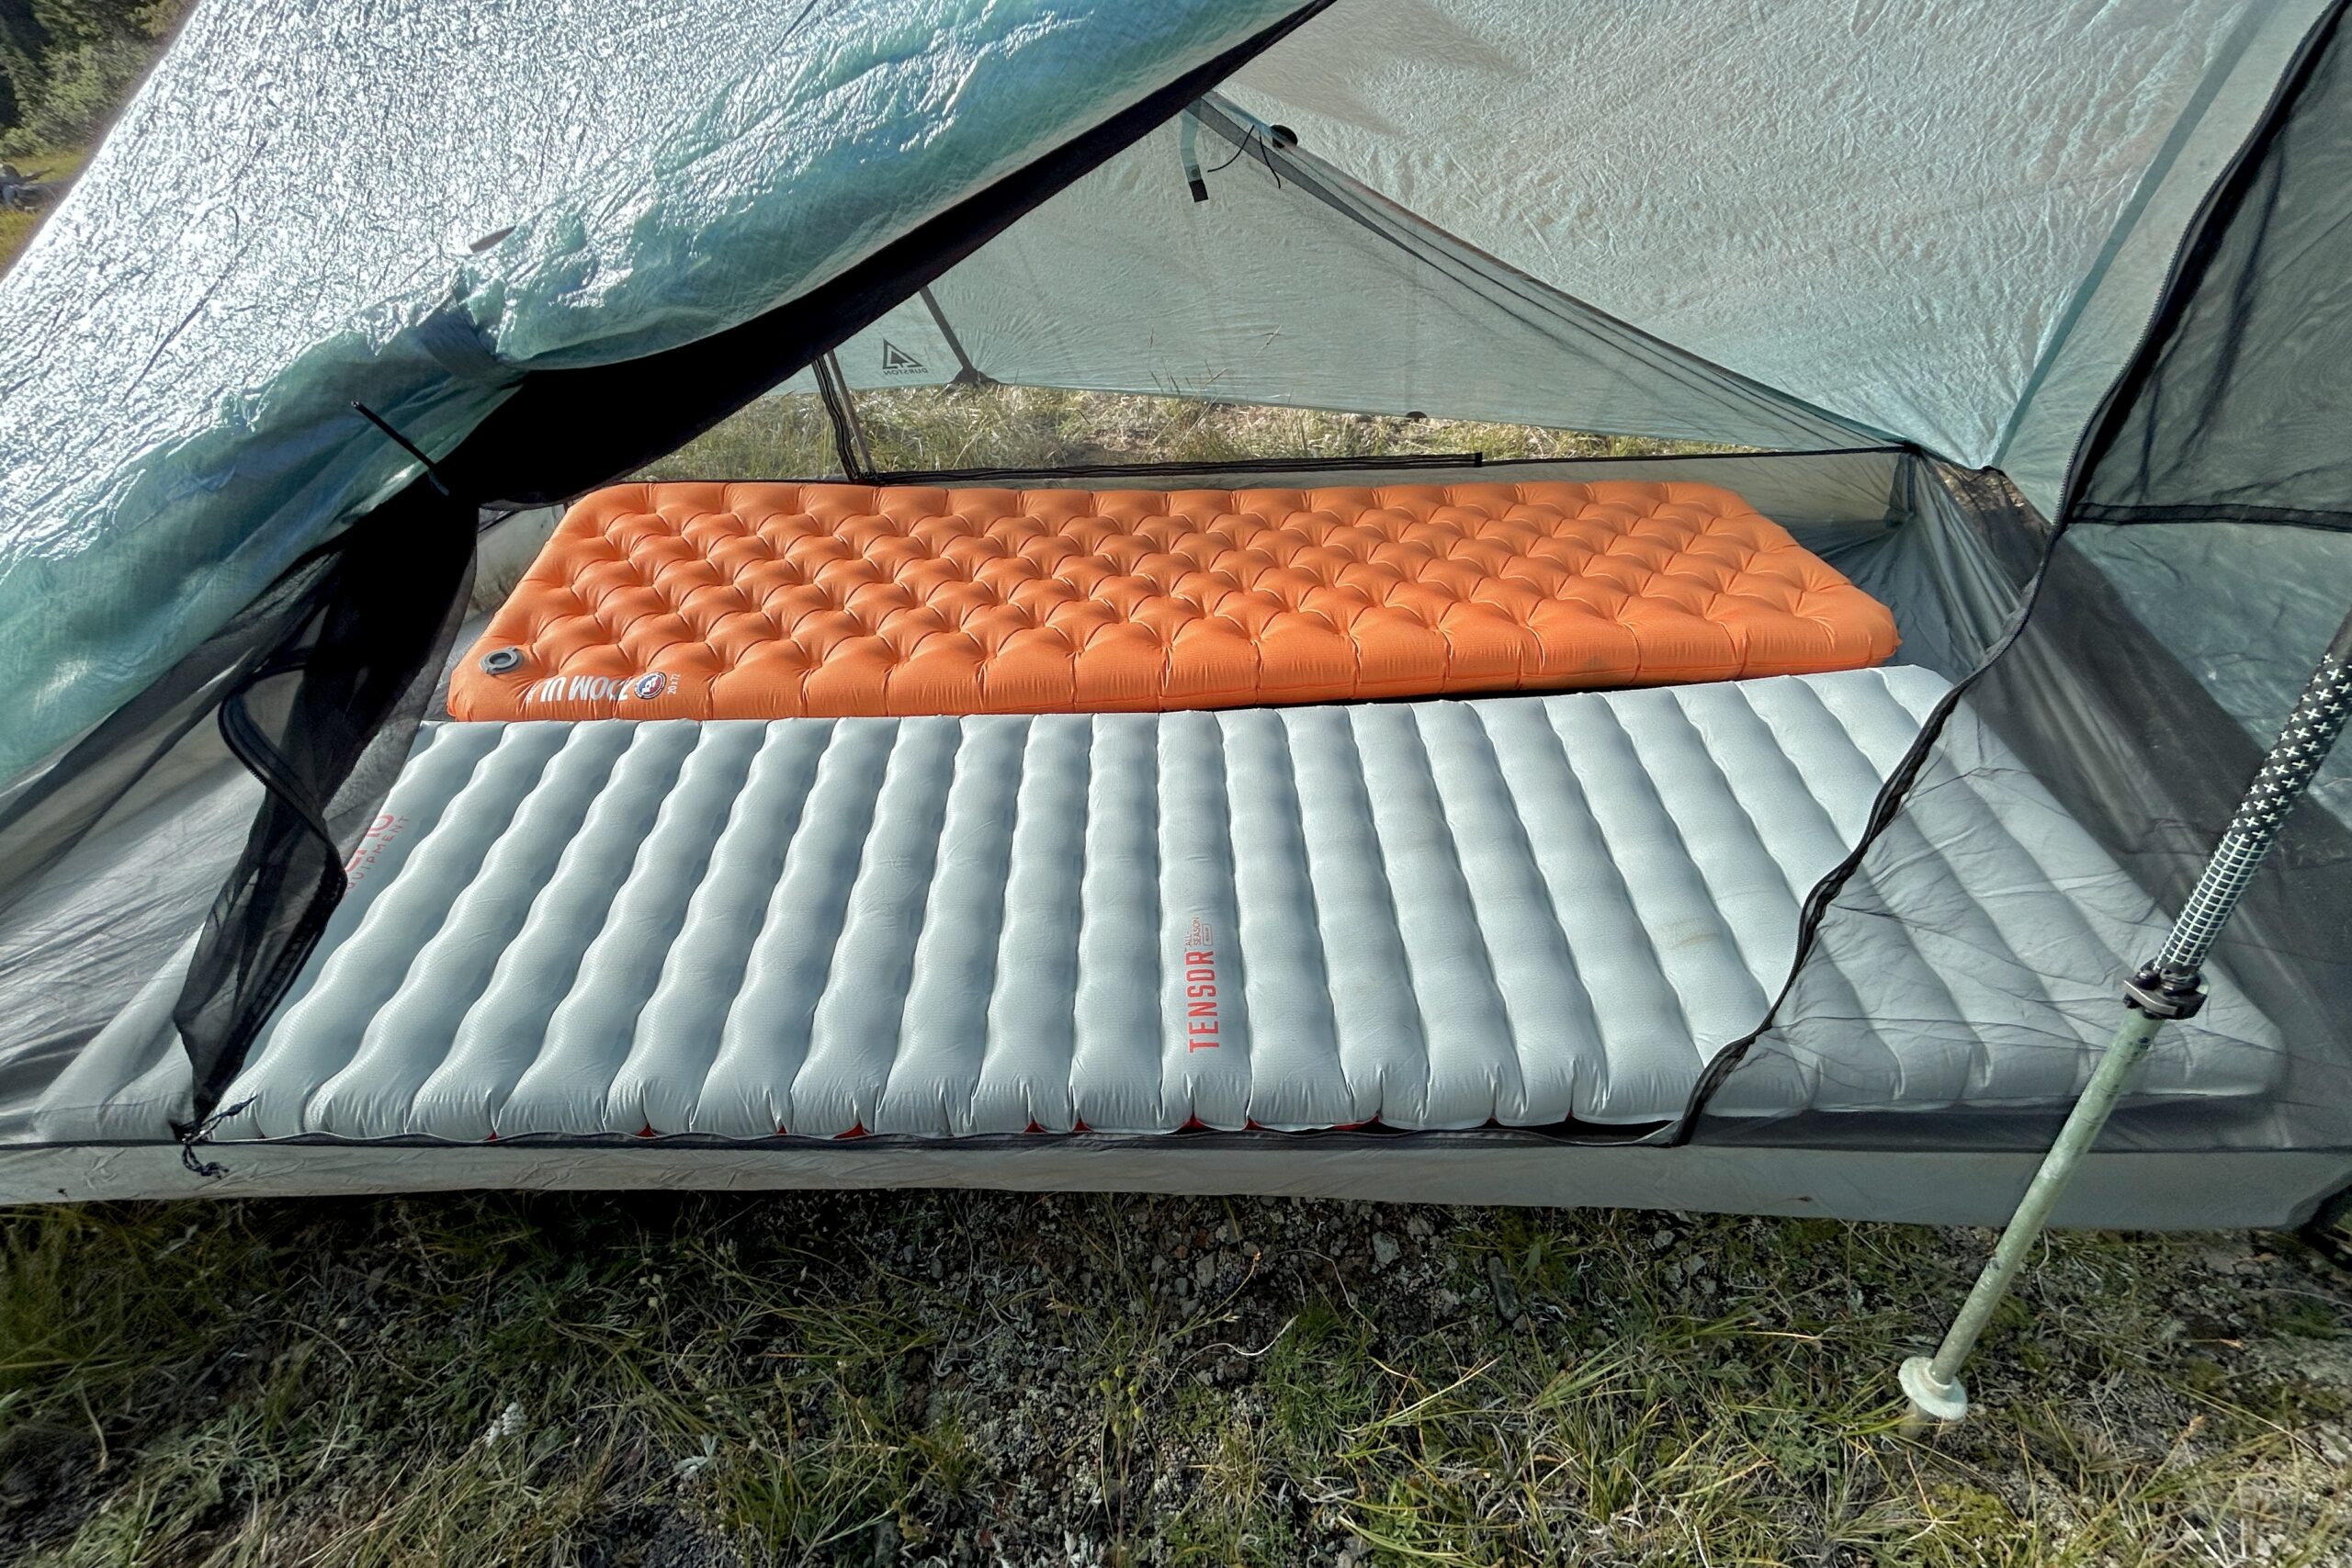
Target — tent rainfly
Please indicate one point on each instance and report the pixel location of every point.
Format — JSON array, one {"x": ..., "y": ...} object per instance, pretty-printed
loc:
[{"x": 2027, "y": 326}]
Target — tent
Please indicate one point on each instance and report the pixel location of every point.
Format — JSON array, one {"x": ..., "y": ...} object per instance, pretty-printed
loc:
[{"x": 2033, "y": 321}]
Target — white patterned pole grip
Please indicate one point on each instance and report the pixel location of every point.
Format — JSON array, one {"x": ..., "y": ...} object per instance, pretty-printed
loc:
[{"x": 2294, "y": 761}]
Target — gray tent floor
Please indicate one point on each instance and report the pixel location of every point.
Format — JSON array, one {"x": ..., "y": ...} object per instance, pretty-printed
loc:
[{"x": 1522, "y": 911}]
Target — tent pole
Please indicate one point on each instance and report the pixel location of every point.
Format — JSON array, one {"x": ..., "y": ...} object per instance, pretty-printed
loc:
[{"x": 2171, "y": 986}]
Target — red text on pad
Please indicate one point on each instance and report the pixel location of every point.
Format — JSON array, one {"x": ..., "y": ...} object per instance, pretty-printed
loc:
[{"x": 1200, "y": 990}]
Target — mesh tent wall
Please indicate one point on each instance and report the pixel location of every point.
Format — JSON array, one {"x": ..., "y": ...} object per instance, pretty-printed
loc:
[
  {"x": 1931, "y": 238},
  {"x": 2203, "y": 567},
  {"x": 1128, "y": 281}
]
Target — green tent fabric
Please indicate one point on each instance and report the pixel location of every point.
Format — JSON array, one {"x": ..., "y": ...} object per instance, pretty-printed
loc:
[
  {"x": 313, "y": 205},
  {"x": 1944, "y": 226},
  {"x": 1897, "y": 212}
]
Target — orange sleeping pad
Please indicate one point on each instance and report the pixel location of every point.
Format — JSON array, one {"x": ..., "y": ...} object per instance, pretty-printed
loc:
[{"x": 768, "y": 601}]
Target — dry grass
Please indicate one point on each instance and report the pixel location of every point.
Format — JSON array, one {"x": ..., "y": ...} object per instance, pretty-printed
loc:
[
  {"x": 984, "y": 1379},
  {"x": 1016, "y": 428}
]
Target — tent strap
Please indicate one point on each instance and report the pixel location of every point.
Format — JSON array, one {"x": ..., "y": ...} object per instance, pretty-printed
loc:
[
  {"x": 849, "y": 436},
  {"x": 966, "y": 373}
]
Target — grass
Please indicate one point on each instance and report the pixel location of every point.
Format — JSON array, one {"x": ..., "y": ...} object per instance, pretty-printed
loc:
[
  {"x": 957, "y": 427},
  {"x": 17, "y": 228},
  {"x": 992, "y": 1378}
]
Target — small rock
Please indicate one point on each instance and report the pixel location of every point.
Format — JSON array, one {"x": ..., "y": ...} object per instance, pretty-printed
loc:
[
  {"x": 1385, "y": 1250},
  {"x": 1506, "y": 1294}
]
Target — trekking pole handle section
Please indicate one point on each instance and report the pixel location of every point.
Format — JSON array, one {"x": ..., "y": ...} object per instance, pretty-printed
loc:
[{"x": 2294, "y": 761}]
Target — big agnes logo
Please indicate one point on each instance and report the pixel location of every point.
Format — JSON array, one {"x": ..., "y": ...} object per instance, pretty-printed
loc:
[
  {"x": 1200, "y": 988},
  {"x": 599, "y": 688}
]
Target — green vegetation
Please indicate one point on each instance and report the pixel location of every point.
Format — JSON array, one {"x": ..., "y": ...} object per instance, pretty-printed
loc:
[
  {"x": 66, "y": 66},
  {"x": 960, "y": 428},
  {"x": 988, "y": 1378},
  {"x": 15, "y": 228}
]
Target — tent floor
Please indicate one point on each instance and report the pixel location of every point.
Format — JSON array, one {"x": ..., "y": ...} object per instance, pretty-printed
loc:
[
  {"x": 2212, "y": 1190},
  {"x": 1524, "y": 912}
]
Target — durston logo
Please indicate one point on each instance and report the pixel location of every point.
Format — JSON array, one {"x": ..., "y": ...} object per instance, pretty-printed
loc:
[
  {"x": 599, "y": 688},
  {"x": 897, "y": 361}
]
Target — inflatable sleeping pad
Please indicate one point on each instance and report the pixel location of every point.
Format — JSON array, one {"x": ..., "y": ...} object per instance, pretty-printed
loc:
[
  {"x": 777, "y": 600},
  {"x": 1529, "y": 911}
]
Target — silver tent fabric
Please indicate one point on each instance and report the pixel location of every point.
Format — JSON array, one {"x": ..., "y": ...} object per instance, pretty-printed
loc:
[
  {"x": 1886, "y": 209},
  {"x": 312, "y": 204},
  {"x": 1927, "y": 1185},
  {"x": 1291, "y": 284}
]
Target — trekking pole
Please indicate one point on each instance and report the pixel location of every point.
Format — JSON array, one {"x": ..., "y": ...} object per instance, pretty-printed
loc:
[{"x": 2168, "y": 986}]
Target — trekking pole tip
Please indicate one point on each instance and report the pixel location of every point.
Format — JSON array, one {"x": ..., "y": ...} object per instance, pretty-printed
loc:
[{"x": 1932, "y": 1398}]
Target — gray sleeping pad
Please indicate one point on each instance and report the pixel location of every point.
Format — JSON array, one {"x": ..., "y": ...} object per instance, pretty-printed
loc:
[{"x": 1524, "y": 910}]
